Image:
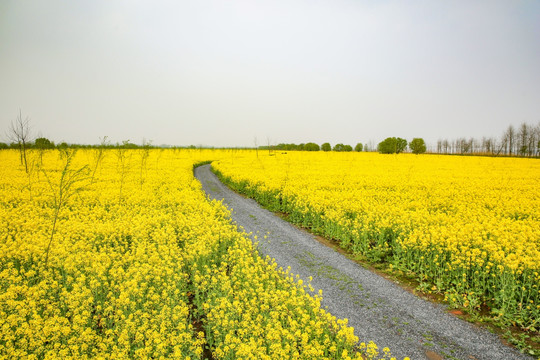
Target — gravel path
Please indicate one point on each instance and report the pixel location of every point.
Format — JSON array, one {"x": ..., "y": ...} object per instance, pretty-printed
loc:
[{"x": 378, "y": 309}]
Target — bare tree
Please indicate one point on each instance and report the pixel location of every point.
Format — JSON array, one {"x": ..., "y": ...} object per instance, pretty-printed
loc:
[
  {"x": 489, "y": 145},
  {"x": 528, "y": 135},
  {"x": 532, "y": 140},
  {"x": 522, "y": 138},
  {"x": 463, "y": 146},
  {"x": 536, "y": 140},
  {"x": 509, "y": 139},
  {"x": 485, "y": 146},
  {"x": 371, "y": 146},
  {"x": 19, "y": 133},
  {"x": 473, "y": 145},
  {"x": 446, "y": 146}
]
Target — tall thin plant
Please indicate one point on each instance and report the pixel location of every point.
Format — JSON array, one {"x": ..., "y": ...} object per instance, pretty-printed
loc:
[
  {"x": 122, "y": 164},
  {"x": 33, "y": 164},
  {"x": 70, "y": 183},
  {"x": 99, "y": 154},
  {"x": 144, "y": 153}
]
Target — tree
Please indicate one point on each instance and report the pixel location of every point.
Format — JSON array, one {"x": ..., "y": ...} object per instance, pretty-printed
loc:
[
  {"x": 464, "y": 146},
  {"x": 392, "y": 145},
  {"x": 536, "y": 140},
  {"x": 62, "y": 146},
  {"x": 43, "y": 143},
  {"x": 509, "y": 139},
  {"x": 3, "y": 146},
  {"x": 326, "y": 147},
  {"x": 312, "y": 147},
  {"x": 19, "y": 133},
  {"x": 526, "y": 139},
  {"x": 417, "y": 146},
  {"x": 487, "y": 145},
  {"x": 338, "y": 147},
  {"x": 359, "y": 147}
]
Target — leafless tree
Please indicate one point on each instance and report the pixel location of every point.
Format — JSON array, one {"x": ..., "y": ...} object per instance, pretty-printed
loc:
[
  {"x": 446, "y": 146},
  {"x": 536, "y": 140},
  {"x": 474, "y": 145},
  {"x": 463, "y": 146},
  {"x": 489, "y": 145},
  {"x": 509, "y": 140},
  {"x": 522, "y": 138},
  {"x": 532, "y": 140},
  {"x": 514, "y": 141},
  {"x": 485, "y": 146},
  {"x": 19, "y": 133}
]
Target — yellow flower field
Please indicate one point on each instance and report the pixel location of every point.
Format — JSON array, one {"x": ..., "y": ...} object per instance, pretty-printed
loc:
[
  {"x": 117, "y": 254},
  {"x": 466, "y": 227}
]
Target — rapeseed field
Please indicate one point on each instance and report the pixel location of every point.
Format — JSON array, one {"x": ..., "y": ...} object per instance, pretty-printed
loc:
[
  {"x": 465, "y": 227},
  {"x": 117, "y": 254}
]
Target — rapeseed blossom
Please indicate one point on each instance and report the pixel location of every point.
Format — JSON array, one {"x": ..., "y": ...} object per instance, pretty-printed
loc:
[
  {"x": 140, "y": 265},
  {"x": 465, "y": 227}
]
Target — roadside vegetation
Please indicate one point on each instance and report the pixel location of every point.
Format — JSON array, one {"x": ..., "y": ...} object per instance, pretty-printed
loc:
[{"x": 464, "y": 228}]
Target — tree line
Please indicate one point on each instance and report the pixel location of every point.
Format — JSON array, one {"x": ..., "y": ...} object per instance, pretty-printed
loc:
[
  {"x": 43, "y": 143},
  {"x": 310, "y": 146},
  {"x": 391, "y": 145},
  {"x": 521, "y": 141}
]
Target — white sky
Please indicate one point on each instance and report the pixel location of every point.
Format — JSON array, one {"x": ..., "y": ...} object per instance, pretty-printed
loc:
[{"x": 222, "y": 73}]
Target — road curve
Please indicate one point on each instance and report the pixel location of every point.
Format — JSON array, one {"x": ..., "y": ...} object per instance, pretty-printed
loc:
[{"x": 378, "y": 309}]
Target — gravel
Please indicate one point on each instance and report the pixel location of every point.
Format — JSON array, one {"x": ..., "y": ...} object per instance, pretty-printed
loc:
[{"x": 378, "y": 309}]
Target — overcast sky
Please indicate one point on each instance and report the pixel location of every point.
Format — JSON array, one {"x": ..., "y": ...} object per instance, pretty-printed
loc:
[{"x": 222, "y": 73}]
